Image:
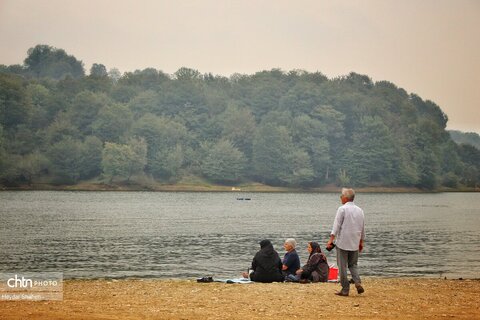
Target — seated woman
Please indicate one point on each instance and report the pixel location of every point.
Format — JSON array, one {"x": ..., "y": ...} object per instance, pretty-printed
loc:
[
  {"x": 291, "y": 261},
  {"x": 266, "y": 265},
  {"x": 316, "y": 269}
]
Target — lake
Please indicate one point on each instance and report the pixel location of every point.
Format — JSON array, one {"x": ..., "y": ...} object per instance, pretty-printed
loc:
[{"x": 188, "y": 234}]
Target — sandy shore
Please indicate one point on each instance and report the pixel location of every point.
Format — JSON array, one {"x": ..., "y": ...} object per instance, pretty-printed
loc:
[{"x": 404, "y": 298}]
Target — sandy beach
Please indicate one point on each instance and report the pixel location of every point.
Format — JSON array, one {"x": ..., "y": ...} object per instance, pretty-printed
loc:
[{"x": 384, "y": 298}]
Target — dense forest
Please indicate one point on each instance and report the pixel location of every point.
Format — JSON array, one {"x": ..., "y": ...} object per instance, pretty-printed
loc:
[
  {"x": 297, "y": 128},
  {"x": 470, "y": 138}
]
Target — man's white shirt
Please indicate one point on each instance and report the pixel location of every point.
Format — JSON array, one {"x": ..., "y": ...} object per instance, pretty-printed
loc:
[{"x": 349, "y": 227}]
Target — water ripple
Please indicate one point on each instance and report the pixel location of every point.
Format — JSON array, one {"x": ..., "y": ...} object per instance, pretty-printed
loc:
[{"x": 179, "y": 235}]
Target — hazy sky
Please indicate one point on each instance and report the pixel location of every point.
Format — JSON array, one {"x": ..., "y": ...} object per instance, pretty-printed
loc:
[{"x": 429, "y": 47}]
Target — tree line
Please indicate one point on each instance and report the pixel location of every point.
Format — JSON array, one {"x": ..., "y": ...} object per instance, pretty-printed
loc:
[
  {"x": 296, "y": 128},
  {"x": 471, "y": 138}
]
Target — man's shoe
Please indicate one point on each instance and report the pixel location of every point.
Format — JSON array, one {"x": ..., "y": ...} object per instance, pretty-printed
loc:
[
  {"x": 360, "y": 289},
  {"x": 205, "y": 279},
  {"x": 341, "y": 293}
]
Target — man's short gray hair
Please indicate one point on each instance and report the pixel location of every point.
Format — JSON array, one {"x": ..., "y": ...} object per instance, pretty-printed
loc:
[
  {"x": 292, "y": 242},
  {"x": 348, "y": 193}
]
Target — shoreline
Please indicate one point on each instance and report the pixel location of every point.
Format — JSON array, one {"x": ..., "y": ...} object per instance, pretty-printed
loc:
[
  {"x": 251, "y": 188},
  {"x": 392, "y": 298},
  {"x": 159, "y": 278}
]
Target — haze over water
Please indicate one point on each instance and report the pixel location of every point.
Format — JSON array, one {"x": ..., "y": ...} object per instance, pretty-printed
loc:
[{"x": 184, "y": 235}]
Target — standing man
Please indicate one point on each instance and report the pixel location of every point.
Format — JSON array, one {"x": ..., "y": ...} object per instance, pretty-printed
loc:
[{"x": 349, "y": 230}]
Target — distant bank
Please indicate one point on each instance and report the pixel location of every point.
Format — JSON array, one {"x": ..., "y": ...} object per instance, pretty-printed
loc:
[{"x": 253, "y": 187}]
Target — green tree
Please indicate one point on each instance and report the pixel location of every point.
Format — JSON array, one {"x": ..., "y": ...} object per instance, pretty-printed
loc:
[
  {"x": 91, "y": 152},
  {"x": 327, "y": 150},
  {"x": 371, "y": 157},
  {"x": 9, "y": 175},
  {"x": 114, "y": 74},
  {"x": 145, "y": 79},
  {"x": 66, "y": 160},
  {"x": 38, "y": 94},
  {"x": 123, "y": 93},
  {"x": 145, "y": 102},
  {"x": 300, "y": 171},
  {"x": 98, "y": 70},
  {"x": 22, "y": 140},
  {"x": 238, "y": 126},
  {"x": 40, "y": 97},
  {"x": 470, "y": 156},
  {"x": 407, "y": 173},
  {"x": 450, "y": 164},
  {"x": 161, "y": 134},
  {"x": 85, "y": 108},
  {"x": 2, "y": 141},
  {"x": 46, "y": 61},
  {"x": 14, "y": 69},
  {"x": 224, "y": 163},
  {"x": 3, "y": 153},
  {"x": 166, "y": 163},
  {"x": 112, "y": 122},
  {"x": 321, "y": 161},
  {"x": 428, "y": 168},
  {"x": 67, "y": 89},
  {"x": 332, "y": 119},
  {"x": 301, "y": 98},
  {"x": 186, "y": 74},
  {"x": 471, "y": 138},
  {"x": 409, "y": 147},
  {"x": 262, "y": 91},
  {"x": 343, "y": 178},
  {"x": 15, "y": 109},
  {"x": 139, "y": 148},
  {"x": 181, "y": 96},
  {"x": 311, "y": 136},
  {"x": 60, "y": 128},
  {"x": 272, "y": 146},
  {"x": 124, "y": 160},
  {"x": 98, "y": 80},
  {"x": 30, "y": 166}
]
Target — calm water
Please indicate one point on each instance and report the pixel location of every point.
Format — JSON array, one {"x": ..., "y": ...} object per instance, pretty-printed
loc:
[{"x": 146, "y": 234}]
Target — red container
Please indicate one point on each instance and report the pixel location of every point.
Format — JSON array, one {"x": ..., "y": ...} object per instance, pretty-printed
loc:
[{"x": 333, "y": 274}]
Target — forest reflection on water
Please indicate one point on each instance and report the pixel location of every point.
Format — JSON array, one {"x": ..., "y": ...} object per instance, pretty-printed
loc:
[{"x": 182, "y": 235}]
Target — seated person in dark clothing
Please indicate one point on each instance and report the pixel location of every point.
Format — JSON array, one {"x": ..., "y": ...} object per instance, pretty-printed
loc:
[
  {"x": 316, "y": 269},
  {"x": 291, "y": 261},
  {"x": 266, "y": 265}
]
